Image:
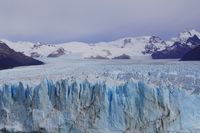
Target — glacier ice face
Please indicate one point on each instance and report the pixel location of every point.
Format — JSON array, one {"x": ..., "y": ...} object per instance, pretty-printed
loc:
[{"x": 80, "y": 106}]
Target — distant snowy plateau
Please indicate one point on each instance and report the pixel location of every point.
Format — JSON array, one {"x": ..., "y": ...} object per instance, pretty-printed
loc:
[{"x": 69, "y": 94}]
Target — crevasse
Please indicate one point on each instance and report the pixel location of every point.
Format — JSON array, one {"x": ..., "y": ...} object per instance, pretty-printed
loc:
[{"x": 85, "y": 107}]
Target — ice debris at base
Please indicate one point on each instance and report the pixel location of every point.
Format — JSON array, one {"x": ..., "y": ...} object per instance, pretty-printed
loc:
[{"x": 82, "y": 106}]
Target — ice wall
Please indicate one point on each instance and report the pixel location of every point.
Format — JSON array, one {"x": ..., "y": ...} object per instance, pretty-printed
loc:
[{"x": 84, "y": 107}]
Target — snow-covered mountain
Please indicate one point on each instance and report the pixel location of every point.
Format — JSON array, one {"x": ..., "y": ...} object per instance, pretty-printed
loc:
[
  {"x": 185, "y": 42},
  {"x": 139, "y": 46},
  {"x": 184, "y": 36},
  {"x": 134, "y": 47},
  {"x": 10, "y": 58}
]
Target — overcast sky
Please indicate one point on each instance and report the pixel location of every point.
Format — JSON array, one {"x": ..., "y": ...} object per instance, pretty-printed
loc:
[{"x": 95, "y": 20}]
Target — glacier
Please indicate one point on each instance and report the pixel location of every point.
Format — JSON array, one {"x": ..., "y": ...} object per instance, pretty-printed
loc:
[
  {"x": 101, "y": 96},
  {"x": 80, "y": 106}
]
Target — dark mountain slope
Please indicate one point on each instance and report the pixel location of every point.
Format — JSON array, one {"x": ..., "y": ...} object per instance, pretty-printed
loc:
[
  {"x": 174, "y": 52},
  {"x": 10, "y": 58},
  {"x": 192, "y": 55}
]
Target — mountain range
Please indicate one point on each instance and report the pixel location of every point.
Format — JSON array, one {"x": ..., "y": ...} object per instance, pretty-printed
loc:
[{"x": 130, "y": 47}]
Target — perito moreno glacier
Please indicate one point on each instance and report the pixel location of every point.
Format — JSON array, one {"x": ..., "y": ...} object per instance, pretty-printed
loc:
[{"x": 154, "y": 97}]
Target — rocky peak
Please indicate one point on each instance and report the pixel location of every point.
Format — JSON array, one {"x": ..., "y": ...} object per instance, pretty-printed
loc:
[
  {"x": 59, "y": 52},
  {"x": 195, "y": 40},
  {"x": 184, "y": 36},
  {"x": 155, "y": 39}
]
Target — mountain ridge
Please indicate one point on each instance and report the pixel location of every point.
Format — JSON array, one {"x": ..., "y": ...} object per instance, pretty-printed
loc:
[{"x": 143, "y": 46}]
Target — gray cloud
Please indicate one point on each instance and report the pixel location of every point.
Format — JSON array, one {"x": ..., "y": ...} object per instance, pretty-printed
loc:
[{"x": 95, "y": 20}]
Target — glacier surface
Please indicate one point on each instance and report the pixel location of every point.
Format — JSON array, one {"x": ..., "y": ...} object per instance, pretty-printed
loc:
[{"x": 93, "y": 96}]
